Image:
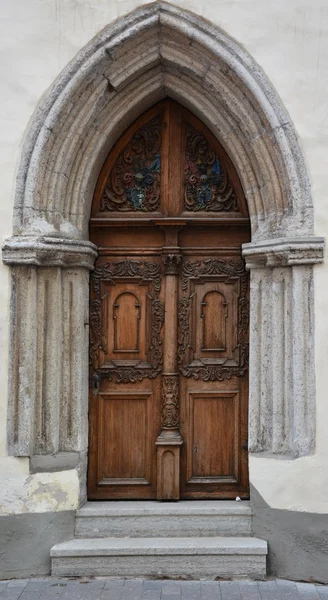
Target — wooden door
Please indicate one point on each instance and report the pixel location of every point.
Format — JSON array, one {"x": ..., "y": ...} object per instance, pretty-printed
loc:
[{"x": 168, "y": 316}]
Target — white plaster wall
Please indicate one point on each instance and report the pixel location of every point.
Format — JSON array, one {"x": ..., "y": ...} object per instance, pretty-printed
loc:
[{"x": 290, "y": 42}]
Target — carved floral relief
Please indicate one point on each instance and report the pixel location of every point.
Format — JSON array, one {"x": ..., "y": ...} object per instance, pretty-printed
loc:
[
  {"x": 207, "y": 185},
  {"x": 134, "y": 181}
]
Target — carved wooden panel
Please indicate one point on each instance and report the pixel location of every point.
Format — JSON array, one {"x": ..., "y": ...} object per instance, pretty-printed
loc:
[
  {"x": 214, "y": 315},
  {"x": 207, "y": 185},
  {"x": 126, "y": 319},
  {"x": 124, "y": 421},
  {"x": 134, "y": 181},
  {"x": 213, "y": 319},
  {"x": 213, "y": 437}
]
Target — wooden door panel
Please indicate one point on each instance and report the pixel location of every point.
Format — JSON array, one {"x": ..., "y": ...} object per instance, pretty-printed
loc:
[
  {"x": 214, "y": 320},
  {"x": 213, "y": 355},
  {"x": 213, "y": 437},
  {"x": 126, "y": 353},
  {"x": 126, "y": 312},
  {"x": 125, "y": 449}
]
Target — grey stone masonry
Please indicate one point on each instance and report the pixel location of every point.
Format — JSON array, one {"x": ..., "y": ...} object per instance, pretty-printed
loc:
[
  {"x": 205, "y": 539},
  {"x": 160, "y": 557},
  {"x": 51, "y": 588},
  {"x": 156, "y": 519}
]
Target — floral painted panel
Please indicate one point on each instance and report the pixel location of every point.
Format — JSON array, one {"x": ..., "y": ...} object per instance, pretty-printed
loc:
[
  {"x": 134, "y": 181},
  {"x": 207, "y": 185}
]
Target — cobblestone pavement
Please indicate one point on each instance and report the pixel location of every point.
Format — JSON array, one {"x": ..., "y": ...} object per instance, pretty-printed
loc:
[{"x": 102, "y": 588}]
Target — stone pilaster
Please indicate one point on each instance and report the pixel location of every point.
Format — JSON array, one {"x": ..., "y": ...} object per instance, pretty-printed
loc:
[
  {"x": 282, "y": 370},
  {"x": 48, "y": 389}
]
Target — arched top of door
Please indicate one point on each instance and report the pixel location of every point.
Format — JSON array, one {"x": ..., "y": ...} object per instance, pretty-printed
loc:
[{"x": 168, "y": 165}]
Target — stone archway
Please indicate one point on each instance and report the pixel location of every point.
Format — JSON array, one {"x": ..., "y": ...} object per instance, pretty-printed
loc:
[{"x": 156, "y": 51}]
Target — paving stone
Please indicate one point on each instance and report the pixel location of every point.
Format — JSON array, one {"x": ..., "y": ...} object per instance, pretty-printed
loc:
[
  {"x": 190, "y": 590},
  {"x": 171, "y": 588},
  {"x": 307, "y": 591},
  {"x": 249, "y": 590},
  {"x": 269, "y": 590},
  {"x": 18, "y": 583},
  {"x": 52, "y": 593},
  {"x": 150, "y": 584},
  {"x": 37, "y": 586},
  {"x": 230, "y": 590},
  {"x": 136, "y": 589},
  {"x": 210, "y": 590},
  {"x": 132, "y": 589},
  {"x": 288, "y": 590},
  {"x": 31, "y": 595},
  {"x": 153, "y": 595}
]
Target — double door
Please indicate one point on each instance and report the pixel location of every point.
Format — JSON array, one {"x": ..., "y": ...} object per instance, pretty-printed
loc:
[{"x": 168, "y": 316}]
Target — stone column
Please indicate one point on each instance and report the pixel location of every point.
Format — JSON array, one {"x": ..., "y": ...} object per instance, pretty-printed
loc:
[
  {"x": 169, "y": 441},
  {"x": 282, "y": 367},
  {"x": 48, "y": 377}
]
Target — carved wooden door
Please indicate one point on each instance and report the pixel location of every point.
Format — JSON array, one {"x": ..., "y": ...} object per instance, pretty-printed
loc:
[{"x": 168, "y": 316}]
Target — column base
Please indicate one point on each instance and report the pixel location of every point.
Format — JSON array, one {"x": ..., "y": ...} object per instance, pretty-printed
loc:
[{"x": 168, "y": 465}]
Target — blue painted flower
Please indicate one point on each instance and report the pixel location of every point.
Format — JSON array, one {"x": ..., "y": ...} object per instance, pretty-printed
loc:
[{"x": 149, "y": 179}]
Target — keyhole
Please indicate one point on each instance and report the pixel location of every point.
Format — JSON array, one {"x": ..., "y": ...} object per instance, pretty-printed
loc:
[{"x": 195, "y": 449}]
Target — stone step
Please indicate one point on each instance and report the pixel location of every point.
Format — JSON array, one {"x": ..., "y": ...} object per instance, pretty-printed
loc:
[
  {"x": 161, "y": 519},
  {"x": 169, "y": 557}
]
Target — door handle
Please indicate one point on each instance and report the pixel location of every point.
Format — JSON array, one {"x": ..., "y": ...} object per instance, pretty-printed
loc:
[{"x": 95, "y": 383}]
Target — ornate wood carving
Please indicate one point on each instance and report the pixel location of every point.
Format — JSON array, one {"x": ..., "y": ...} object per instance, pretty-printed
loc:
[
  {"x": 207, "y": 185},
  {"x": 170, "y": 401},
  {"x": 134, "y": 181},
  {"x": 212, "y": 369},
  {"x": 111, "y": 273},
  {"x": 172, "y": 263}
]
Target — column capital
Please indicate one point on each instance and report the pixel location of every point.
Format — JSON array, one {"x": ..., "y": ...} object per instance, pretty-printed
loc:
[
  {"x": 48, "y": 252},
  {"x": 172, "y": 262},
  {"x": 284, "y": 252}
]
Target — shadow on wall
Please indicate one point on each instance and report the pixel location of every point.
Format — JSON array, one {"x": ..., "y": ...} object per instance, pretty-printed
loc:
[
  {"x": 26, "y": 539},
  {"x": 298, "y": 541}
]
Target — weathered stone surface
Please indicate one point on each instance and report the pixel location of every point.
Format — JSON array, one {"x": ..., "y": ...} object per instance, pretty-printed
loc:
[
  {"x": 161, "y": 557},
  {"x": 48, "y": 252},
  {"x": 284, "y": 252},
  {"x": 160, "y": 519},
  {"x": 282, "y": 373},
  {"x": 48, "y": 383}
]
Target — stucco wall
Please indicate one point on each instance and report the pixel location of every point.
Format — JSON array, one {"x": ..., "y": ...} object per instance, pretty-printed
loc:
[{"x": 290, "y": 42}]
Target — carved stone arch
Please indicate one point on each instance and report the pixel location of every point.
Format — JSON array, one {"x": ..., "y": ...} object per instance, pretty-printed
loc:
[{"x": 156, "y": 51}]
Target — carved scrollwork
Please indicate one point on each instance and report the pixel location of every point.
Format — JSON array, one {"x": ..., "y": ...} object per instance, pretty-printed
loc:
[
  {"x": 207, "y": 184},
  {"x": 134, "y": 181},
  {"x": 170, "y": 402},
  {"x": 228, "y": 270},
  {"x": 172, "y": 263},
  {"x": 112, "y": 272}
]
